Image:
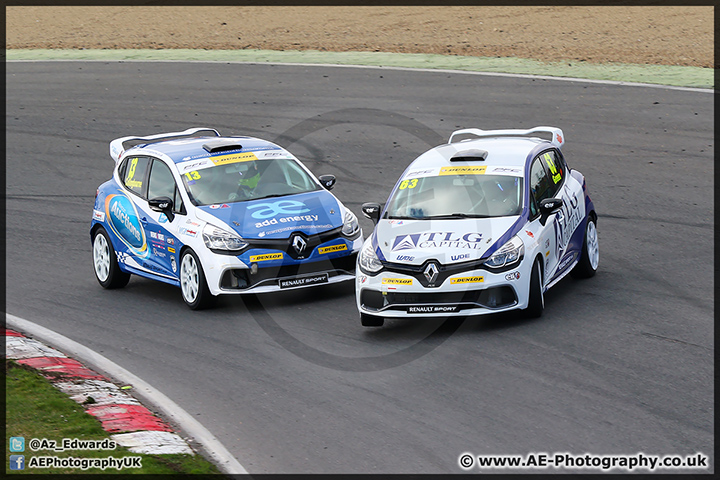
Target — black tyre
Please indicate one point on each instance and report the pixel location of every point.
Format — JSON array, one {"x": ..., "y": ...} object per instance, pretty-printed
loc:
[
  {"x": 371, "y": 320},
  {"x": 105, "y": 264},
  {"x": 536, "y": 300},
  {"x": 590, "y": 256},
  {"x": 193, "y": 285}
]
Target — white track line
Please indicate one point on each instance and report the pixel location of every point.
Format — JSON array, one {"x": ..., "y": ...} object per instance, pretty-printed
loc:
[{"x": 222, "y": 457}]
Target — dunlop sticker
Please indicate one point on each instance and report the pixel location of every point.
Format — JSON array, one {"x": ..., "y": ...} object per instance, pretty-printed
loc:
[
  {"x": 233, "y": 158},
  {"x": 467, "y": 280},
  {"x": 334, "y": 248},
  {"x": 473, "y": 170},
  {"x": 266, "y": 257},
  {"x": 397, "y": 281}
]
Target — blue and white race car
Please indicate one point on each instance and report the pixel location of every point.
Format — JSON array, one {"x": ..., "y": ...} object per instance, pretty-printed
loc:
[
  {"x": 479, "y": 225},
  {"x": 218, "y": 214}
]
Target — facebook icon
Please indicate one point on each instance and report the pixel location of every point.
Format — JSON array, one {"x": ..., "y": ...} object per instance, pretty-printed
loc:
[{"x": 17, "y": 462}]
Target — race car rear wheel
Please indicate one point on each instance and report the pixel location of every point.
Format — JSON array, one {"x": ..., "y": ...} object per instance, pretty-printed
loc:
[
  {"x": 590, "y": 256},
  {"x": 194, "y": 287},
  {"x": 536, "y": 299},
  {"x": 371, "y": 320},
  {"x": 107, "y": 270}
]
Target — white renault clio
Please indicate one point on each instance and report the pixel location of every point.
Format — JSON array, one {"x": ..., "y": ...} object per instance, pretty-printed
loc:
[{"x": 479, "y": 225}]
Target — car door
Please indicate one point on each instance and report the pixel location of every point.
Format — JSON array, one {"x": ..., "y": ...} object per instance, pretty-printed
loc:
[
  {"x": 569, "y": 236},
  {"x": 161, "y": 230},
  {"x": 543, "y": 185}
]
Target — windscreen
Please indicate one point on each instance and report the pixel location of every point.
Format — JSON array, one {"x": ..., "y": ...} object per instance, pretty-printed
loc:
[
  {"x": 239, "y": 181},
  {"x": 451, "y": 196}
]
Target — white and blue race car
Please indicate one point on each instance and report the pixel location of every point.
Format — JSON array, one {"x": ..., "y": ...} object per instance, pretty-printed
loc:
[
  {"x": 218, "y": 214},
  {"x": 479, "y": 225}
]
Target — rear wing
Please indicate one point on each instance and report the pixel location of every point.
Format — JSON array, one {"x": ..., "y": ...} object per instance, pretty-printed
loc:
[
  {"x": 558, "y": 139},
  {"x": 119, "y": 145}
]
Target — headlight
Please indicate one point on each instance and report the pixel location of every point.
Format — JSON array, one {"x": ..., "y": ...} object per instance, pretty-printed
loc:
[
  {"x": 218, "y": 239},
  {"x": 350, "y": 225},
  {"x": 368, "y": 261},
  {"x": 509, "y": 254}
]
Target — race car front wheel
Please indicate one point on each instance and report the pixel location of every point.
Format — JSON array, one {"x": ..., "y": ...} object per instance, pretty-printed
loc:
[
  {"x": 194, "y": 287},
  {"x": 536, "y": 299},
  {"x": 107, "y": 270},
  {"x": 590, "y": 256}
]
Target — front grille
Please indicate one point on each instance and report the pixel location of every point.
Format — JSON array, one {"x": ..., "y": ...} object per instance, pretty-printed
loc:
[
  {"x": 492, "y": 298},
  {"x": 241, "y": 278}
]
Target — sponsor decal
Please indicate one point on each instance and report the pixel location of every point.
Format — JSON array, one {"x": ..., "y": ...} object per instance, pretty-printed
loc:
[
  {"x": 304, "y": 281},
  {"x": 432, "y": 309},
  {"x": 471, "y": 241},
  {"x": 468, "y": 170},
  {"x": 296, "y": 227},
  {"x": 464, "y": 256},
  {"x": 559, "y": 137},
  {"x": 566, "y": 261},
  {"x": 547, "y": 243},
  {"x": 282, "y": 207},
  {"x": 397, "y": 281},
  {"x": 505, "y": 170},
  {"x": 173, "y": 264},
  {"x": 547, "y": 254},
  {"x": 98, "y": 215},
  {"x": 396, "y": 222},
  {"x": 460, "y": 280},
  {"x": 200, "y": 164},
  {"x": 233, "y": 158},
  {"x": 158, "y": 252},
  {"x": 215, "y": 207},
  {"x": 192, "y": 223},
  {"x": 334, "y": 248},
  {"x": 297, "y": 218},
  {"x": 573, "y": 212},
  {"x": 405, "y": 258},
  {"x": 123, "y": 220},
  {"x": 405, "y": 242},
  {"x": 171, "y": 250},
  {"x": 157, "y": 236},
  {"x": 363, "y": 278},
  {"x": 512, "y": 276},
  {"x": 266, "y": 257},
  {"x": 170, "y": 241},
  {"x": 529, "y": 234},
  {"x": 162, "y": 218},
  {"x": 422, "y": 173},
  {"x": 187, "y": 231}
]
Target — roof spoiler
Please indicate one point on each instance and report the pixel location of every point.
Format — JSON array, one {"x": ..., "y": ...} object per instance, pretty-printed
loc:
[
  {"x": 558, "y": 139},
  {"x": 119, "y": 145}
]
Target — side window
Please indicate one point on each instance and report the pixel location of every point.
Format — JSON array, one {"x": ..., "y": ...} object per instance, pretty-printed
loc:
[
  {"x": 134, "y": 172},
  {"x": 162, "y": 184},
  {"x": 555, "y": 169},
  {"x": 540, "y": 184}
]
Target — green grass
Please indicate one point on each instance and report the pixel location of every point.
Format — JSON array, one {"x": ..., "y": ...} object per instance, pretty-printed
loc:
[{"x": 36, "y": 409}]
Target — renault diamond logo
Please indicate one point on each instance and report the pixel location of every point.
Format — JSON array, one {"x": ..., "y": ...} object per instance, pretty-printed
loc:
[
  {"x": 299, "y": 244},
  {"x": 431, "y": 273}
]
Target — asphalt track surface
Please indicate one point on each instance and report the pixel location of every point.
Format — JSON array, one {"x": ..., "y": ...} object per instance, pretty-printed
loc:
[{"x": 291, "y": 383}]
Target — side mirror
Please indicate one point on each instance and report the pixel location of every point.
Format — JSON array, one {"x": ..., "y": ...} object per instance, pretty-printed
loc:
[
  {"x": 372, "y": 211},
  {"x": 163, "y": 205},
  {"x": 327, "y": 181},
  {"x": 548, "y": 207}
]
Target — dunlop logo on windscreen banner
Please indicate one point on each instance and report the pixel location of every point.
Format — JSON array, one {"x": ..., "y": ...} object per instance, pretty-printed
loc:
[{"x": 462, "y": 170}]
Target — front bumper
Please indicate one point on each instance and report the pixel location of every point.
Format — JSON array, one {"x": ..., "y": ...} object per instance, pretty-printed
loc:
[
  {"x": 230, "y": 275},
  {"x": 472, "y": 292}
]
